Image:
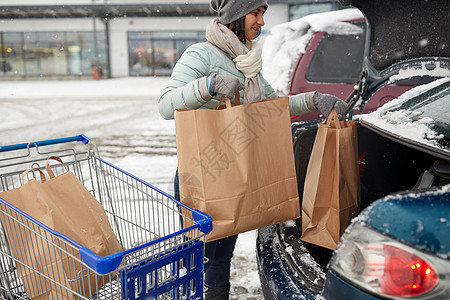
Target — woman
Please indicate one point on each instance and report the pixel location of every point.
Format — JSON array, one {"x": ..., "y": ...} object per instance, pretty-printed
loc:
[{"x": 229, "y": 61}]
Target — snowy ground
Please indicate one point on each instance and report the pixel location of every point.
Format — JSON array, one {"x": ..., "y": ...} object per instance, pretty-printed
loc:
[{"x": 121, "y": 117}]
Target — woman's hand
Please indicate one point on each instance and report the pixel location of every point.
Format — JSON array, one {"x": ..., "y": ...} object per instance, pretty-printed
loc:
[
  {"x": 224, "y": 85},
  {"x": 325, "y": 103}
]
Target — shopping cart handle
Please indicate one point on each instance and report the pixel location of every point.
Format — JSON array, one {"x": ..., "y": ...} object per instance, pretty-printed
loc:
[
  {"x": 101, "y": 264},
  {"x": 77, "y": 138},
  {"x": 203, "y": 220}
]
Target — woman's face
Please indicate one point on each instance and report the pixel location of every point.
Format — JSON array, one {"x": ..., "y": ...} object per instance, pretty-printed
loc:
[{"x": 253, "y": 22}]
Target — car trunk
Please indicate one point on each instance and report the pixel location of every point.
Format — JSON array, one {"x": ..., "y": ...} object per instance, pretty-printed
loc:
[{"x": 386, "y": 167}]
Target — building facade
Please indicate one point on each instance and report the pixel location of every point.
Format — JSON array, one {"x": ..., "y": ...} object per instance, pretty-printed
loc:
[{"x": 112, "y": 38}]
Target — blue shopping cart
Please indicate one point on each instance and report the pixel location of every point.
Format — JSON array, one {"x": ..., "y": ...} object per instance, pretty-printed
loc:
[{"x": 163, "y": 240}]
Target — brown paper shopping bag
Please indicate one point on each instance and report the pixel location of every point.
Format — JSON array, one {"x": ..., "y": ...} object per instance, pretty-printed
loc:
[
  {"x": 66, "y": 206},
  {"x": 236, "y": 164},
  {"x": 331, "y": 196}
]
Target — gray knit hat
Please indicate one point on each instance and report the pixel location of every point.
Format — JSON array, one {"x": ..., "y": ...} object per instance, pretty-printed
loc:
[{"x": 232, "y": 10}]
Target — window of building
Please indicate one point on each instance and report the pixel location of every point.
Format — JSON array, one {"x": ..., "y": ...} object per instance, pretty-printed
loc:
[
  {"x": 296, "y": 11},
  {"x": 11, "y": 54},
  {"x": 156, "y": 52},
  {"x": 31, "y": 54}
]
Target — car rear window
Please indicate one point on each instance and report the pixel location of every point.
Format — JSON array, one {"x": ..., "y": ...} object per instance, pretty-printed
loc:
[
  {"x": 337, "y": 58},
  {"x": 419, "y": 115},
  {"x": 433, "y": 105}
]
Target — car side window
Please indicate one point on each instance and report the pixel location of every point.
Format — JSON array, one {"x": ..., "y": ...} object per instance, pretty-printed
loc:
[{"x": 337, "y": 58}]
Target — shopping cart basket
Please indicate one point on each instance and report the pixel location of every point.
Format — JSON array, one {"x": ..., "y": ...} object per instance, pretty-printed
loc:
[{"x": 163, "y": 240}]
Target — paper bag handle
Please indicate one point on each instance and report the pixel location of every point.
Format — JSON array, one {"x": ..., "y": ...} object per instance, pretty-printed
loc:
[
  {"x": 333, "y": 118},
  {"x": 35, "y": 169},
  {"x": 49, "y": 169},
  {"x": 237, "y": 100}
]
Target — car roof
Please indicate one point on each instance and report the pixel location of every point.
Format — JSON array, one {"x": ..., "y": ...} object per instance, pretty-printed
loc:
[{"x": 317, "y": 22}]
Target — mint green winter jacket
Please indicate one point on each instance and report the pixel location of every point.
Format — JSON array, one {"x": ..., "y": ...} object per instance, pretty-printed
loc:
[{"x": 187, "y": 88}]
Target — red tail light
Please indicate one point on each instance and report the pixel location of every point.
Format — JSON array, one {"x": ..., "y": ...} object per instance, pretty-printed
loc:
[
  {"x": 386, "y": 267},
  {"x": 400, "y": 273}
]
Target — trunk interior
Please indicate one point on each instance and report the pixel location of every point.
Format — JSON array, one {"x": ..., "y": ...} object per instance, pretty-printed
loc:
[{"x": 386, "y": 167}]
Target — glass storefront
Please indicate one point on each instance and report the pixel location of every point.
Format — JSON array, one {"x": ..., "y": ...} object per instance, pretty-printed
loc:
[
  {"x": 296, "y": 11},
  {"x": 156, "y": 52},
  {"x": 47, "y": 54}
]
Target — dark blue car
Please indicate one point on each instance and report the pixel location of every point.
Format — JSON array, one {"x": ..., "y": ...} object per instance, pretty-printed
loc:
[{"x": 398, "y": 247}]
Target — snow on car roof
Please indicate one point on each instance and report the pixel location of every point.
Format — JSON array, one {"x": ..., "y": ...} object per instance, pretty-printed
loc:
[{"x": 287, "y": 40}]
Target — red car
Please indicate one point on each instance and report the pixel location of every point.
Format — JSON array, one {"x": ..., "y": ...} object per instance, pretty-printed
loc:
[{"x": 331, "y": 61}]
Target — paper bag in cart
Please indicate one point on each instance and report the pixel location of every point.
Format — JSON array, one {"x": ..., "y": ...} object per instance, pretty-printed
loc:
[
  {"x": 66, "y": 206},
  {"x": 331, "y": 196},
  {"x": 236, "y": 164}
]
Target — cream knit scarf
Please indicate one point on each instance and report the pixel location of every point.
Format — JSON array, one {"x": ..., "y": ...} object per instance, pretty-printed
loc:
[{"x": 249, "y": 62}]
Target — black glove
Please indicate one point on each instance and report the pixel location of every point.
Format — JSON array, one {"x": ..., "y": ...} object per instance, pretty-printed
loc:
[
  {"x": 325, "y": 103},
  {"x": 224, "y": 85}
]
